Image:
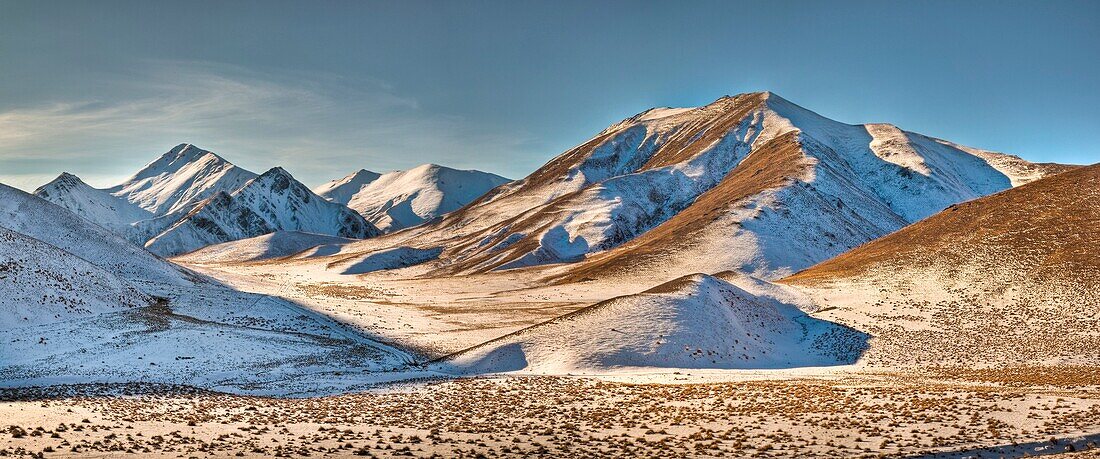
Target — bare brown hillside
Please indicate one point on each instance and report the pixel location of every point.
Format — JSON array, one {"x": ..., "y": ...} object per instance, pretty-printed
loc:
[
  {"x": 1009, "y": 278},
  {"x": 1044, "y": 231}
]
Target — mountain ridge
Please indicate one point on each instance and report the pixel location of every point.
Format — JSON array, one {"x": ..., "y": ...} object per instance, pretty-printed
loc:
[
  {"x": 183, "y": 175},
  {"x": 273, "y": 201},
  {"x": 52, "y": 224},
  {"x": 153, "y": 207},
  {"x": 758, "y": 168},
  {"x": 401, "y": 199}
]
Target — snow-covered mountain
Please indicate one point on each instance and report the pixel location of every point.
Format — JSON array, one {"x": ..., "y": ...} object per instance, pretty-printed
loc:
[
  {"x": 39, "y": 219},
  {"x": 697, "y": 321},
  {"x": 184, "y": 175},
  {"x": 752, "y": 183},
  {"x": 182, "y": 201},
  {"x": 80, "y": 304},
  {"x": 1009, "y": 278},
  {"x": 172, "y": 183},
  {"x": 402, "y": 199},
  {"x": 93, "y": 204},
  {"x": 274, "y": 201},
  {"x": 343, "y": 189},
  {"x": 41, "y": 284}
]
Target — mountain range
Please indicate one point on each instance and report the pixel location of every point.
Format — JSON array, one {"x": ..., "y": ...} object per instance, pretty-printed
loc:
[
  {"x": 189, "y": 198},
  {"x": 402, "y": 199},
  {"x": 750, "y": 183},
  {"x": 750, "y": 233}
]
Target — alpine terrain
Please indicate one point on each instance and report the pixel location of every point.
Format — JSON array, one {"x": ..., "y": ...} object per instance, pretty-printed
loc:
[
  {"x": 1009, "y": 278},
  {"x": 43, "y": 284},
  {"x": 400, "y": 199},
  {"x": 190, "y": 198},
  {"x": 745, "y": 278},
  {"x": 79, "y": 303},
  {"x": 697, "y": 321},
  {"x": 39, "y": 219},
  {"x": 273, "y": 201},
  {"x": 750, "y": 183}
]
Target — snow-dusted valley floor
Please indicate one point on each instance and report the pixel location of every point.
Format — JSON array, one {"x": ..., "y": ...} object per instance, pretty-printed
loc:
[
  {"x": 433, "y": 317},
  {"x": 364, "y": 400},
  {"x": 204, "y": 336}
]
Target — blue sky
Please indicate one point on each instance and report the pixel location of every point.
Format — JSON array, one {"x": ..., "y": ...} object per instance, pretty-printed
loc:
[{"x": 324, "y": 88}]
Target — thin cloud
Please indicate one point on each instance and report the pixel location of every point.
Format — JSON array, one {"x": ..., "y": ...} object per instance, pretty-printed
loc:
[{"x": 255, "y": 120}]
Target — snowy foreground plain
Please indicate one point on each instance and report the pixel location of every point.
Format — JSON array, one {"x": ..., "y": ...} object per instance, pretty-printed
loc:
[
  {"x": 834, "y": 411},
  {"x": 944, "y": 302}
]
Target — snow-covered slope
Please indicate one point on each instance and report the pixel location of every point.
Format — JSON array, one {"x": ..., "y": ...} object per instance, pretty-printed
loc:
[
  {"x": 189, "y": 198},
  {"x": 402, "y": 199},
  {"x": 751, "y": 183},
  {"x": 92, "y": 204},
  {"x": 49, "y": 223},
  {"x": 179, "y": 178},
  {"x": 1039, "y": 233},
  {"x": 41, "y": 284},
  {"x": 272, "y": 245},
  {"x": 204, "y": 336},
  {"x": 343, "y": 189},
  {"x": 1012, "y": 277},
  {"x": 1017, "y": 169},
  {"x": 145, "y": 204},
  {"x": 697, "y": 321},
  {"x": 274, "y": 201}
]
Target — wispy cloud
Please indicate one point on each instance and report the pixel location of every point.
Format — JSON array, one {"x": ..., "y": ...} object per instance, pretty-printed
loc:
[{"x": 318, "y": 126}]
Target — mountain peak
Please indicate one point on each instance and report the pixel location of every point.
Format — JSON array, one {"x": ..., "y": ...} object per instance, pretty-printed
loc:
[
  {"x": 187, "y": 152},
  {"x": 341, "y": 190},
  {"x": 272, "y": 201},
  {"x": 63, "y": 183},
  {"x": 65, "y": 178},
  {"x": 404, "y": 198},
  {"x": 723, "y": 104},
  {"x": 180, "y": 177},
  {"x": 276, "y": 179},
  {"x": 758, "y": 97},
  {"x": 276, "y": 171},
  {"x": 179, "y": 157},
  {"x": 428, "y": 168}
]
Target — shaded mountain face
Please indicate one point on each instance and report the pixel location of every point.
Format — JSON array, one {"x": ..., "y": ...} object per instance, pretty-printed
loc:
[
  {"x": 272, "y": 245},
  {"x": 1009, "y": 278},
  {"x": 274, "y": 201},
  {"x": 403, "y": 199},
  {"x": 47, "y": 222},
  {"x": 179, "y": 178},
  {"x": 182, "y": 201},
  {"x": 752, "y": 183}
]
